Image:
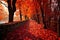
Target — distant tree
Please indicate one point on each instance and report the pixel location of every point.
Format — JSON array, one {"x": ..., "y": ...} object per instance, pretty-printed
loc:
[{"x": 20, "y": 15}]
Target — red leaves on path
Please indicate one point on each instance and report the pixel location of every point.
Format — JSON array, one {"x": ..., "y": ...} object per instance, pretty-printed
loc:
[{"x": 31, "y": 31}]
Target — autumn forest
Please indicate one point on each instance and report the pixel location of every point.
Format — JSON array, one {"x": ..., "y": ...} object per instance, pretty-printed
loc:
[{"x": 30, "y": 19}]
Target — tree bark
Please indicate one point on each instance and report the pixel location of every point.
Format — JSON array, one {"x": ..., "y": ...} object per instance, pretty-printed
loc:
[
  {"x": 43, "y": 13},
  {"x": 11, "y": 8},
  {"x": 58, "y": 4}
]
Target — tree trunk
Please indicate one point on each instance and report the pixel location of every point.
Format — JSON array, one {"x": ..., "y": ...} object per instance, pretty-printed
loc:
[
  {"x": 13, "y": 4},
  {"x": 59, "y": 26},
  {"x": 58, "y": 4},
  {"x": 12, "y": 9},
  {"x": 43, "y": 13},
  {"x": 20, "y": 16}
]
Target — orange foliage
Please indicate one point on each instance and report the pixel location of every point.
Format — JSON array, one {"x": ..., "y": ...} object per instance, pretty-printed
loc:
[
  {"x": 28, "y": 7},
  {"x": 1, "y": 17},
  {"x": 1, "y": 12}
]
